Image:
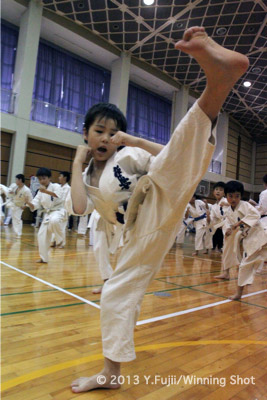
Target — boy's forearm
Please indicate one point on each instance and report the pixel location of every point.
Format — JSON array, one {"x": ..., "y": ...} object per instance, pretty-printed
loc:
[
  {"x": 151, "y": 147},
  {"x": 78, "y": 191}
]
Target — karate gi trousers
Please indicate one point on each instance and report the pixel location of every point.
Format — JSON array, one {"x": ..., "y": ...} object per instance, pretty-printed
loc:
[{"x": 153, "y": 217}]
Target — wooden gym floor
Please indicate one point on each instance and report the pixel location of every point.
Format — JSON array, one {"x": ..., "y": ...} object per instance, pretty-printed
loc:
[{"x": 187, "y": 329}]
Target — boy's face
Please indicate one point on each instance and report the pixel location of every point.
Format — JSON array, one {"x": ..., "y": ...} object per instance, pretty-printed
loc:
[
  {"x": 218, "y": 193},
  {"x": 192, "y": 201},
  {"x": 98, "y": 137},
  {"x": 233, "y": 199},
  {"x": 44, "y": 180},
  {"x": 61, "y": 179},
  {"x": 18, "y": 181}
]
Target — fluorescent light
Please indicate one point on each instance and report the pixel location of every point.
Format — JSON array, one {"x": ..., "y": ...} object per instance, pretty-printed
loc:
[
  {"x": 149, "y": 2},
  {"x": 247, "y": 84}
]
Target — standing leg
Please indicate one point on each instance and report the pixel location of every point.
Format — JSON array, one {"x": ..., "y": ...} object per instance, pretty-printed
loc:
[
  {"x": 44, "y": 238},
  {"x": 17, "y": 221}
]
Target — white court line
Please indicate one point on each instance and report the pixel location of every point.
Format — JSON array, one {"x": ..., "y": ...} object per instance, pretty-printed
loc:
[
  {"x": 190, "y": 310},
  {"x": 53, "y": 286},
  {"x": 145, "y": 321}
]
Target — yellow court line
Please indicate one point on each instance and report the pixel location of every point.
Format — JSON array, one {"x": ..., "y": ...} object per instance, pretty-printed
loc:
[{"x": 68, "y": 364}]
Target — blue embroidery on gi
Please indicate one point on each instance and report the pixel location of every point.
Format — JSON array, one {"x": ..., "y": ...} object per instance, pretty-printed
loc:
[{"x": 124, "y": 182}]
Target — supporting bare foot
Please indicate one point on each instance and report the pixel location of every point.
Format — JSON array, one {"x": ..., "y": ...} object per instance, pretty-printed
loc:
[
  {"x": 53, "y": 244},
  {"x": 206, "y": 252},
  {"x": 40, "y": 261},
  {"x": 97, "y": 290},
  {"x": 224, "y": 275},
  {"x": 195, "y": 253},
  {"x": 60, "y": 246},
  {"x": 106, "y": 379},
  {"x": 222, "y": 67},
  {"x": 238, "y": 294}
]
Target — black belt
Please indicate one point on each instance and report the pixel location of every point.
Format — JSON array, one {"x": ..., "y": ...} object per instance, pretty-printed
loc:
[{"x": 262, "y": 216}]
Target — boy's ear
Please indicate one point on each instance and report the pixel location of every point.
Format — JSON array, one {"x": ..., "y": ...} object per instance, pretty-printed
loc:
[{"x": 85, "y": 135}]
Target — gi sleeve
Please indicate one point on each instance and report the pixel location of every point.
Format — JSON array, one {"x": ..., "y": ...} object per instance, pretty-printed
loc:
[
  {"x": 251, "y": 215},
  {"x": 262, "y": 207}
]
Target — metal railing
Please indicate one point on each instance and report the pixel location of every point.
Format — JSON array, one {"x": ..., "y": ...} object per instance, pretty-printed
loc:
[
  {"x": 8, "y": 98},
  {"x": 61, "y": 118}
]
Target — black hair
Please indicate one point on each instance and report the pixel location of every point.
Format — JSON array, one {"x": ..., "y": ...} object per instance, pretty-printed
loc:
[
  {"x": 265, "y": 179},
  {"x": 234, "y": 186},
  {"x": 66, "y": 175},
  {"x": 43, "y": 172},
  {"x": 107, "y": 111},
  {"x": 219, "y": 184},
  {"x": 21, "y": 177}
]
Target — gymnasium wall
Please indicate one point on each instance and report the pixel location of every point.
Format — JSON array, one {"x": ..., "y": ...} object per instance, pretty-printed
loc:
[
  {"x": 261, "y": 163},
  {"x": 6, "y": 140},
  {"x": 238, "y": 166}
]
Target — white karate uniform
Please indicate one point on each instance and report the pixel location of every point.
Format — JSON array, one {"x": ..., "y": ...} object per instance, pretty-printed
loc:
[
  {"x": 18, "y": 197},
  {"x": 83, "y": 225},
  {"x": 182, "y": 229},
  {"x": 53, "y": 217},
  {"x": 203, "y": 237},
  {"x": 4, "y": 191},
  {"x": 60, "y": 236},
  {"x": 254, "y": 240},
  {"x": 262, "y": 207},
  {"x": 154, "y": 214}
]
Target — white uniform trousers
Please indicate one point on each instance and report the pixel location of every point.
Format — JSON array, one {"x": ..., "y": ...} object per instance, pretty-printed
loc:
[
  {"x": 203, "y": 238},
  {"x": 231, "y": 255},
  {"x": 16, "y": 213},
  {"x": 82, "y": 227},
  {"x": 160, "y": 198},
  {"x": 51, "y": 224},
  {"x": 248, "y": 267}
]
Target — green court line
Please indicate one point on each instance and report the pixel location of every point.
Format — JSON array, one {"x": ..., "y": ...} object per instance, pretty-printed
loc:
[
  {"x": 180, "y": 276},
  {"x": 48, "y": 290},
  {"x": 199, "y": 284},
  {"x": 219, "y": 295},
  {"x": 41, "y": 309}
]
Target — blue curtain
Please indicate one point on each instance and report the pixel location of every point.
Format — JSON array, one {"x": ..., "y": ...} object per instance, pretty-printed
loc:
[
  {"x": 9, "y": 40},
  {"x": 67, "y": 82},
  {"x": 148, "y": 115}
]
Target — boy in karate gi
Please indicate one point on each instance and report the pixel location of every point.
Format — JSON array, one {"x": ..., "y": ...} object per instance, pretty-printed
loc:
[
  {"x": 50, "y": 198},
  {"x": 187, "y": 219},
  {"x": 18, "y": 194},
  {"x": 243, "y": 218},
  {"x": 198, "y": 210},
  {"x": 155, "y": 210},
  {"x": 262, "y": 205},
  {"x": 217, "y": 215},
  {"x": 64, "y": 178}
]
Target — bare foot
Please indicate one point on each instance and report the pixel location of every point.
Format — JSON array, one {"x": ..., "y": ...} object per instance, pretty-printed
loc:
[
  {"x": 195, "y": 253},
  {"x": 206, "y": 252},
  {"x": 235, "y": 297},
  {"x": 60, "y": 246},
  {"x": 53, "y": 244},
  {"x": 94, "y": 382},
  {"x": 222, "y": 67},
  {"x": 223, "y": 276},
  {"x": 97, "y": 290},
  {"x": 40, "y": 261}
]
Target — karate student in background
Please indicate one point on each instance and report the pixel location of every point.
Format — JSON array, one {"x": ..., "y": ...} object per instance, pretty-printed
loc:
[
  {"x": 182, "y": 229},
  {"x": 50, "y": 198},
  {"x": 198, "y": 210},
  {"x": 217, "y": 215},
  {"x": 3, "y": 192},
  {"x": 262, "y": 205},
  {"x": 159, "y": 198},
  {"x": 243, "y": 218},
  {"x": 60, "y": 240},
  {"x": 19, "y": 194}
]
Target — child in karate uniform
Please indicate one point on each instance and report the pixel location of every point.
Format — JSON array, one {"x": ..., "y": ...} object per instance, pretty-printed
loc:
[
  {"x": 50, "y": 198},
  {"x": 203, "y": 238},
  {"x": 18, "y": 194},
  {"x": 243, "y": 218},
  {"x": 160, "y": 189},
  {"x": 187, "y": 219}
]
